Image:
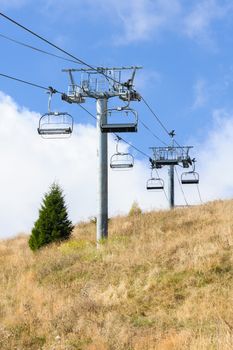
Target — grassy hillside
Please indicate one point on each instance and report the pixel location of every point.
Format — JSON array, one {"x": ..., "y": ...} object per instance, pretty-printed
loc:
[{"x": 163, "y": 281}]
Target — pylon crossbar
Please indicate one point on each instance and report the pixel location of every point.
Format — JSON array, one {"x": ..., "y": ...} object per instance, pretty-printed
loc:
[
  {"x": 171, "y": 155},
  {"x": 109, "y": 81}
]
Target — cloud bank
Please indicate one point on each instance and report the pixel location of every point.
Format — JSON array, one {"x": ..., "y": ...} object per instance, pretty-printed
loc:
[
  {"x": 142, "y": 20},
  {"x": 30, "y": 164}
]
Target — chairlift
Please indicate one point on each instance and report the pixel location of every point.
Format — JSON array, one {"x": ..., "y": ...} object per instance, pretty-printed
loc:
[
  {"x": 55, "y": 124},
  {"x": 121, "y": 160},
  {"x": 190, "y": 178},
  {"x": 128, "y": 120},
  {"x": 154, "y": 184}
]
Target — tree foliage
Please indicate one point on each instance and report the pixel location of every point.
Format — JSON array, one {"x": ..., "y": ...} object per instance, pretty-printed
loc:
[{"x": 53, "y": 223}]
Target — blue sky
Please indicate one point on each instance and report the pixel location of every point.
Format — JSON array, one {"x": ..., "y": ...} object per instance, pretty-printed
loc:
[{"x": 185, "y": 49}]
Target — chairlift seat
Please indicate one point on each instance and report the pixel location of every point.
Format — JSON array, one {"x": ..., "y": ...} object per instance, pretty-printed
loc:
[
  {"x": 190, "y": 178},
  {"x": 121, "y": 166},
  {"x": 131, "y": 127},
  {"x": 57, "y": 131},
  {"x": 190, "y": 181},
  {"x": 155, "y": 184},
  {"x": 149, "y": 187}
]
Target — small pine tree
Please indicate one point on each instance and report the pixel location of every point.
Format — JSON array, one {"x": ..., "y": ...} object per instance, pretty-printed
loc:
[{"x": 53, "y": 223}]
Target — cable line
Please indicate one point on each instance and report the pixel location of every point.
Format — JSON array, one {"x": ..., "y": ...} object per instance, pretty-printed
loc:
[
  {"x": 36, "y": 48},
  {"x": 116, "y": 135},
  {"x": 81, "y": 62},
  {"x": 158, "y": 119},
  {"x": 56, "y": 91},
  {"x": 43, "y": 39},
  {"x": 27, "y": 82},
  {"x": 63, "y": 58},
  {"x": 155, "y": 136},
  {"x": 93, "y": 116},
  {"x": 156, "y": 170},
  {"x": 132, "y": 146},
  {"x": 185, "y": 199},
  {"x": 58, "y": 48},
  {"x": 137, "y": 149},
  {"x": 86, "y": 110},
  {"x": 199, "y": 194}
]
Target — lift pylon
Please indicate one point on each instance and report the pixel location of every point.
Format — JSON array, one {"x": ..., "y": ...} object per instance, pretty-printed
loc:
[
  {"x": 172, "y": 156},
  {"x": 103, "y": 83}
]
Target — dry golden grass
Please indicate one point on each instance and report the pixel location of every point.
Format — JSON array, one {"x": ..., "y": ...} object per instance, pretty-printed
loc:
[{"x": 163, "y": 282}]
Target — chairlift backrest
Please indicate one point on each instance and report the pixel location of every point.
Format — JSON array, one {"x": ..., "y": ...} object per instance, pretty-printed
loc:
[
  {"x": 190, "y": 178},
  {"x": 125, "y": 120},
  {"x": 154, "y": 184},
  {"x": 55, "y": 125},
  {"x": 121, "y": 161}
]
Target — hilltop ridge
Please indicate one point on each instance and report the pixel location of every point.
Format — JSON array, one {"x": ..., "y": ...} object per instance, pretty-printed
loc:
[{"x": 164, "y": 281}]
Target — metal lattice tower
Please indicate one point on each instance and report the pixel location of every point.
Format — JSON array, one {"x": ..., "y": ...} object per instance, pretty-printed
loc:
[{"x": 102, "y": 84}]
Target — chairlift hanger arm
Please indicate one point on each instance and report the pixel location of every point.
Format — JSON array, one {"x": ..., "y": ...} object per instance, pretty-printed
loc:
[{"x": 129, "y": 82}]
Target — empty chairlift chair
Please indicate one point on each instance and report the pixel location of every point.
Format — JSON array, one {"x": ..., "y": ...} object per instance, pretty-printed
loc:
[
  {"x": 190, "y": 178},
  {"x": 120, "y": 120},
  {"x": 121, "y": 161},
  {"x": 55, "y": 125},
  {"x": 155, "y": 184}
]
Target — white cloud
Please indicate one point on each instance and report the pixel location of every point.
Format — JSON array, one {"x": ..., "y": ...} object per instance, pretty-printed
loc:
[
  {"x": 198, "y": 22},
  {"x": 131, "y": 20},
  {"x": 6, "y": 4},
  {"x": 200, "y": 93},
  {"x": 215, "y": 157},
  {"x": 214, "y": 163},
  {"x": 142, "y": 20},
  {"x": 30, "y": 164},
  {"x": 146, "y": 79}
]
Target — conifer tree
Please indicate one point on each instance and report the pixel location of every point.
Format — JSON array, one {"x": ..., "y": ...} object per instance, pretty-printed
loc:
[{"x": 53, "y": 223}]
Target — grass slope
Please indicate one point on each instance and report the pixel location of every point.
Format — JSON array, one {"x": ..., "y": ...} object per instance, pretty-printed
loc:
[{"x": 163, "y": 281}]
